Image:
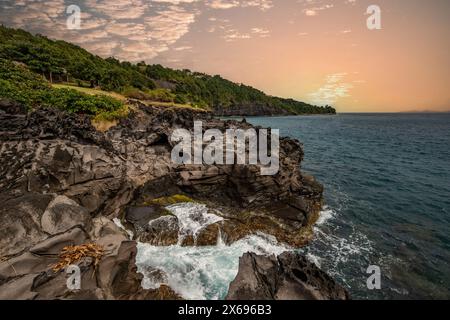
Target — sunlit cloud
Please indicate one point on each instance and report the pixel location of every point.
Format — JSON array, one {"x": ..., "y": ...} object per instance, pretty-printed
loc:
[
  {"x": 313, "y": 7},
  {"x": 295, "y": 39},
  {"x": 332, "y": 90},
  {"x": 228, "y": 4},
  {"x": 118, "y": 9}
]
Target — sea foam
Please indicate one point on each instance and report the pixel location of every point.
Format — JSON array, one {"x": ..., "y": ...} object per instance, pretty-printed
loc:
[{"x": 199, "y": 272}]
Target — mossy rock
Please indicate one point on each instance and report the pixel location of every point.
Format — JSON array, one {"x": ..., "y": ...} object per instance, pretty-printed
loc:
[{"x": 174, "y": 199}]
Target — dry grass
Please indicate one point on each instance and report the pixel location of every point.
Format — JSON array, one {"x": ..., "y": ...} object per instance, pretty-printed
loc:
[
  {"x": 104, "y": 125},
  {"x": 71, "y": 254},
  {"x": 91, "y": 91},
  {"x": 173, "y": 105}
]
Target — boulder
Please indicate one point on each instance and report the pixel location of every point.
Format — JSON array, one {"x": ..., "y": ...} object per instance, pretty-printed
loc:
[
  {"x": 290, "y": 276},
  {"x": 62, "y": 214}
]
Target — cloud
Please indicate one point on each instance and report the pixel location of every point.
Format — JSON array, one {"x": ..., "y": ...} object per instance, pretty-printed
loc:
[
  {"x": 170, "y": 24},
  {"x": 223, "y": 4},
  {"x": 313, "y": 7},
  {"x": 233, "y": 34},
  {"x": 260, "y": 31},
  {"x": 176, "y": 1},
  {"x": 228, "y": 4},
  {"x": 38, "y": 14},
  {"x": 314, "y": 11},
  {"x": 183, "y": 48},
  {"x": 261, "y": 4},
  {"x": 118, "y": 9},
  {"x": 129, "y": 29},
  {"x": 332, "y": 90}
]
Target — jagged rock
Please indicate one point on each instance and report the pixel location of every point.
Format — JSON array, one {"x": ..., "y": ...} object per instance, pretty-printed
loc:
[
  {"x": 18, "y": 289},
  {"x": 29, "y": 276},
  {"x": 290, "y": 276},
  {"x": 237, "y": 226},
  {"x": 140, "y": 216},
  {"x": 209, "y": 236},
  {"x": 162, "y": 231},
  {"x": 62, "y": 214},
  {"x": 18, "y": 275},
  {"x": 62, "y": 181},
  {"x": 153, "y": 224},
  {"x": 54, "y": 245},
  {"x": 20, "y": 220},
  {"x": 11, "y": 107},
  {"x": 107, "y": 234}
]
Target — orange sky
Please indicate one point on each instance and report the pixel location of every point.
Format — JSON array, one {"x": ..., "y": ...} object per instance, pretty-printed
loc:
[{"x": 319, "y": 51}]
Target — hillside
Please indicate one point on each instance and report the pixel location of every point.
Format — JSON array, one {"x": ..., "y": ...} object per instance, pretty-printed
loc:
[{"x": 62, "y": 62}]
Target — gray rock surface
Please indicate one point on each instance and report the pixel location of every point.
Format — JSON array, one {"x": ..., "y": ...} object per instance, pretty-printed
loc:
[
  {"x": 290, "y": 276},
  {"x": 62, "y": 182}
]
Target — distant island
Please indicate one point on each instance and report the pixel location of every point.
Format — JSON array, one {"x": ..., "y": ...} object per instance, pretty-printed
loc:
[{"x": 54, "y": 72}]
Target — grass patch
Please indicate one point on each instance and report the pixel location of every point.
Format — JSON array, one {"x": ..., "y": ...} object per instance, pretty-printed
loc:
[{"x": 90, "y": 91}]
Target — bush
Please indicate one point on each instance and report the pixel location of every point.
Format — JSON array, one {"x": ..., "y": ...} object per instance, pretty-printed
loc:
[
  {"x": 180, "y": 99},
  {"x": 19, "y": 84},
  {"x": 134, "y": 93},
  {"x": 78, "y": 102},
  {"x": 161, "y": 95}
]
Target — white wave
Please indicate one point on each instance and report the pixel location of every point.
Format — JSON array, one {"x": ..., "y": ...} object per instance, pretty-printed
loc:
[
  {"x": 340, "y": 249},
  {"x": 200, "y": 272},
  {"x": 325, "y": 215},
  {"x": 192, "y": 217},
  {"x": 314, "y": 259}
]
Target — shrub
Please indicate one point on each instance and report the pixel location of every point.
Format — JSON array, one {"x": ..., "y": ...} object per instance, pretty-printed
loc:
[
  {"x": 133, "y": 93},
  {"x": 161, "y": 95},
  {"x": 19, "y": 84}
]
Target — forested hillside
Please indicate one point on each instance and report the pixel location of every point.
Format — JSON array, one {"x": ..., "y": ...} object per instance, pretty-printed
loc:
[{"x": 62, "y": 62}]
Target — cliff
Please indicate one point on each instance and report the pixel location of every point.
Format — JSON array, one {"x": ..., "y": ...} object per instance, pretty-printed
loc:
[{"x": 62, "y": 182}]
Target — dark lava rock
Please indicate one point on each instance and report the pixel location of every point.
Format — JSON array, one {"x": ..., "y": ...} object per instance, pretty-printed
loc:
[
  {"x": 290, "y": 276},
  {"x": 12, "y": 107},
  {"x": 139, "y": 217},
  {"x": 62, "y": 182},
  {"x": 162, "y": 231}
]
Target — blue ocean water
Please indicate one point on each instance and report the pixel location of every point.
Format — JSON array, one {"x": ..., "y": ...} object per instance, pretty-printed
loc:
[{"x": 387, "y": 192}]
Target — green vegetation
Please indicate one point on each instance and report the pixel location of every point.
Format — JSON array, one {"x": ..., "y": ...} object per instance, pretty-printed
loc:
[
  {"x": 174, "y": 199},
  {"x": 64, "y": 63},
  {"x": 59, "y": 60},
  {"x": 19, "y": 84},
  {"x": 204, "y": 90}
]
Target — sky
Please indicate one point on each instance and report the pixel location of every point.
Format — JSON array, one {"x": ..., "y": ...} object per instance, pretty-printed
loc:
[{"x": 318, "y": 51}]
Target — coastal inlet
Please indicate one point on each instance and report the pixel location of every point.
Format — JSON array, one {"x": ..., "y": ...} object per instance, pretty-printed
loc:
[{"x": 162, "y": 230}]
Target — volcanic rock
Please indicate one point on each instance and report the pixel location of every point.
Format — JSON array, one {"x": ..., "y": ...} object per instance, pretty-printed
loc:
[{"x": 290, "y": 276}]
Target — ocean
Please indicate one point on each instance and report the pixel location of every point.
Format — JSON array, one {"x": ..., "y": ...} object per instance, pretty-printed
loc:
[
  {"x": 387, "y": 204},
  {"x": 387, "y": 197}
]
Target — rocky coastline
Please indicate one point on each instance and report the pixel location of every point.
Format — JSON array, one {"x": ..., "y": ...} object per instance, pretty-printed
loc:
[{"x": 65, "y": 183}]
